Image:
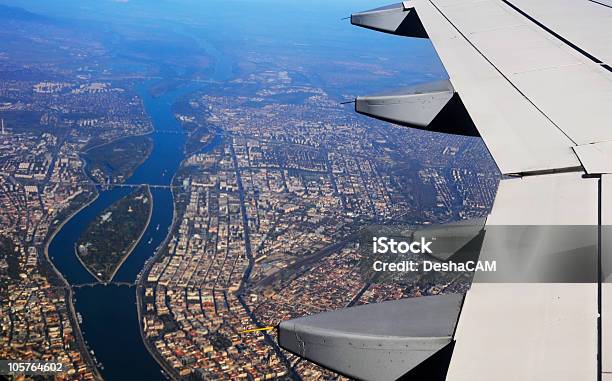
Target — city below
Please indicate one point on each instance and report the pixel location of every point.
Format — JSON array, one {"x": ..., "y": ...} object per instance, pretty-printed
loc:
[{"x": 166, "y": 186}]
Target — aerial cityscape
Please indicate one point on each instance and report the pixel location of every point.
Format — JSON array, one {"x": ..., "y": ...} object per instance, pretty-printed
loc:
[{"x": 173, "y": 175}]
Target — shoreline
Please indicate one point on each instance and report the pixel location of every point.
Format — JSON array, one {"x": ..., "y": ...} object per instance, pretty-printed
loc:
[
  {"x": 83, "y": 348},
  {"x": 165, "y": 367},
  {"x": 85, "y": 266},
  {"x": 137, "y": 241},
  {"x": 168, "y": 371},
  {"x": 69, "y": 292},
  {"x": 117, "y": 139},
  {"x": 128, "y": 251},
  {"x": 58, "y": 229},
  {"x": 127, "y": 175}
]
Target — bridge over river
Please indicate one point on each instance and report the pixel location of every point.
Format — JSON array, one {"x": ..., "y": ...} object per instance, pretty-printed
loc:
[{"x": 94, "y": 284}]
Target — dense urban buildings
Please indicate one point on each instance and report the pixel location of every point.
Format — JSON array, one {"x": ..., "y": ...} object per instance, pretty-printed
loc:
[
  {"x": 290, "y": 182},
  {"x": 268, "y": 179},
  {"x": 43, "y": 183}
]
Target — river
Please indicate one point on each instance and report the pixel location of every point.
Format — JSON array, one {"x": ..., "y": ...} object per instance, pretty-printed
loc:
[{"x": 110, "y": 324}]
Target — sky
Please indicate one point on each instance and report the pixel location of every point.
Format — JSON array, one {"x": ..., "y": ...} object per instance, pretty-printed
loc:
[{"x": 313, "y": 29}]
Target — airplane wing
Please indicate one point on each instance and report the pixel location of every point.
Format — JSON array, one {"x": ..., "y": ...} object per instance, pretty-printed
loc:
[{"x": 533, "y": 78}]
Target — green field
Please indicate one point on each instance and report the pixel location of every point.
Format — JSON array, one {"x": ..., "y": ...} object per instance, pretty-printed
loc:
[{"x": 110, "y": 238}]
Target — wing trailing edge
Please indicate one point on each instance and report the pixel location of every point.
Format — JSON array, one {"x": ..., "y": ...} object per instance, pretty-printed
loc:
[
  {"x": 380, "y": 341},
  {"x": 539, "y": 105}
]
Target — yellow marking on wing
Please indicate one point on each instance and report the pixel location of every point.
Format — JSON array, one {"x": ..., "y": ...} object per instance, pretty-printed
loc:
[{"x": 258, "y": 329}]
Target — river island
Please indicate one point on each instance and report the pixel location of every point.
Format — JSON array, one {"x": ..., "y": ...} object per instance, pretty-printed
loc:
[
  {"x": 111, "y": 237},
  {"x": 115, "y": 161}
]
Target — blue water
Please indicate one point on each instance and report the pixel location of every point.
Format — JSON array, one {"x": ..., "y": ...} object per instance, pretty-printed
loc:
[
  {"x": 61, "y": 249},
  {"x": 110, "y": 321},
  {"x": 110, "y": 327}
]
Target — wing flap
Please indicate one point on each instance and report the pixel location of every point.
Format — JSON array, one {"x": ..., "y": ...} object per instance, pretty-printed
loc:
[
  {"x": 379, "y": 341},
  {"x": 529, "y": 331},
  {"x": 596, "y": 158},
  {"x": 532, "y": 326},
  {"x": 606, "y": 281}
]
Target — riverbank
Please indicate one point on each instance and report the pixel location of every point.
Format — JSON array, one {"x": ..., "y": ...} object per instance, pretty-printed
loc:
[
  {"x": 212, "y": 143},
  {"x": 115, "y": 140},
  {"x": 109, "y": 318},
  {"x": 135, "y": 243},
  {"x": 128, "y": 250},
  {"x": 118, "y": 159},
  {"x": 139, "y": 289},
  {"x": 69, "y": 293},
  {"x": 113, "y": 233}
]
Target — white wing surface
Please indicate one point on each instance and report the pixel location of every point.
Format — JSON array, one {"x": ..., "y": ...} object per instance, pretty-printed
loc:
[{"x": 533, "y": 78}]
